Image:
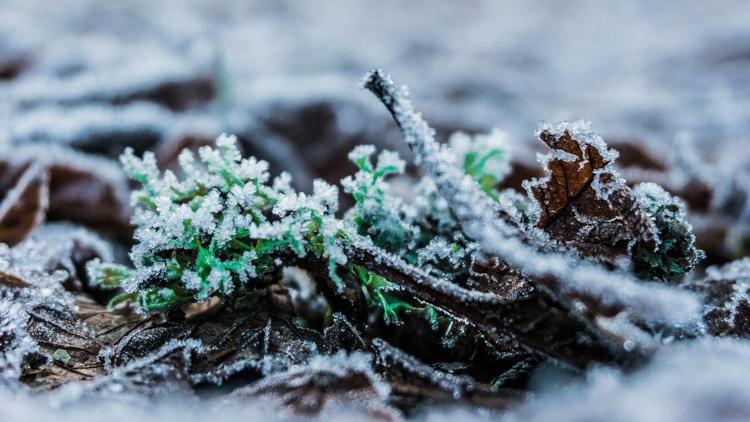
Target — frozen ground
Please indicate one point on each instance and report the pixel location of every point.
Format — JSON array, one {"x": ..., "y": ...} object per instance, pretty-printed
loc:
[{"x": 672, "y": 75}]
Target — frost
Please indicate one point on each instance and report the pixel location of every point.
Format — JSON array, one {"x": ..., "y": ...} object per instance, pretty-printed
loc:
[
  {"x": 657, "y": 392},
  {"x": 580, "y": 130},
  {"x": 36, "y": 265}
]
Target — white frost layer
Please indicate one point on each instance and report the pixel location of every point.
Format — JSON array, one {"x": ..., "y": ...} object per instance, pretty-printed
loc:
[
  {"x": 701, "y": 381},
  {"x": 706, "y": 380}
]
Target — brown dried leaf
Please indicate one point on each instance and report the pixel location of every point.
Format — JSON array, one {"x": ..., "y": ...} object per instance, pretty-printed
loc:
[
  {"x": 80, "y": 195},
  {"x": 586, "y": 206},
  {"x": 319, "y": 388},
  {"x": 177, "y": 95},
  {"x": 726, "y": 293},
  {"x": 167, "y": 153},
  {"x": 9, "y": 280},
  {"x": 78, "y": 336},
  {"x": 12, "y": 65},
  {"x": 23, "y": 207}
]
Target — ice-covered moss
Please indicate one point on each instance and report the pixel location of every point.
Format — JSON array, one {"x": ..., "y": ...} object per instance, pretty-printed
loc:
[{"x": 676, "y": 254}]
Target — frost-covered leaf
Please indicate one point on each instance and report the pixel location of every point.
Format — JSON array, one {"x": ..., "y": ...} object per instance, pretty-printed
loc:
[
  {"x": 324, "y": 386},
  {"x": 727, "y": 299},
  {"x": 236, "y": 342},
  {"x": 413, "y": 382},
  {"x": 66, "y": 247},
  {"x": 12, "y": 281},
  {"x": 583, "y": 203},
  {"x": 81, "y": 334}
]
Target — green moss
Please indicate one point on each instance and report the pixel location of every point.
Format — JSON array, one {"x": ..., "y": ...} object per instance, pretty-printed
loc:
[{"x": 676, "y": 254}]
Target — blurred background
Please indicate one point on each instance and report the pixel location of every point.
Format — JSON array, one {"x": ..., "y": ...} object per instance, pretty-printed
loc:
[{"x": 668, "y": 83}]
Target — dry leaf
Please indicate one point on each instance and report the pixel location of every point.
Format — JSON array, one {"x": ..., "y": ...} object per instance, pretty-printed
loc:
[
  {"x": 726, "y": 293},
  {"x": 76, "y": 335},
  {"x": 9, "y": 280},
  {"x": 584, "y": 204},
  {"x": 167, "y": 153},
  {"x": 80, "y": 195},
  {"x": 24, "y": 205}
]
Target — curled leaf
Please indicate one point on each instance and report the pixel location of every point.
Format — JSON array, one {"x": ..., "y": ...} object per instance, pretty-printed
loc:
[{"x": 583, "y": 203}]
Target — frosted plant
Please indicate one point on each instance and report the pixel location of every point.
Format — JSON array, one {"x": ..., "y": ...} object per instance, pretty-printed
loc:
[
  {"x": 424, "y": 234},
  {"x": 219, "y": 230},
  {"x": 477, "y": 214},
  {"x": 376, "y": 213},
  {"x": 483, "y": 157}
]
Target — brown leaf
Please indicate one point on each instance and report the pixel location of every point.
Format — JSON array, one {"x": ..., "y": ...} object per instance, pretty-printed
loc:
[
  {"x": 9, "y": 280},
  {"x": 567, "y": 177},
  {"x": 635, "y": 154},
  {"x": 76, "y": 335},
  {"x": 344, "y": 384},
  {"x": 23, "y": 207},
  {"x": 79, "y": 194},
  {"x": 167, "y": 153},
  {"x": 726, "y": 293},
  {"x": 11, "y": 65},
  {"x": 177, "y": 95},
  {"x": 584, "y": 204}
]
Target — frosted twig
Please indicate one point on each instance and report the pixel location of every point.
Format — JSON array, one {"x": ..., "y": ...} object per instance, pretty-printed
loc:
[{"x": 489, "y": 313}]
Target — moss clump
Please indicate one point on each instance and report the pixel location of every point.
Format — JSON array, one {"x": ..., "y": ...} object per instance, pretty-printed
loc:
[{"x": 676, "y": 254}]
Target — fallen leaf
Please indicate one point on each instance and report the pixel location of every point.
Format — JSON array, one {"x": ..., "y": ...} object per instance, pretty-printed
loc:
[
  {"x": 78, "y": 193},
  {"x": 9, "y": 280},
  {"x": 726, "y": 291},
  {"x": 583, "y": 203},
  {"x": 23, "y": 207}
]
